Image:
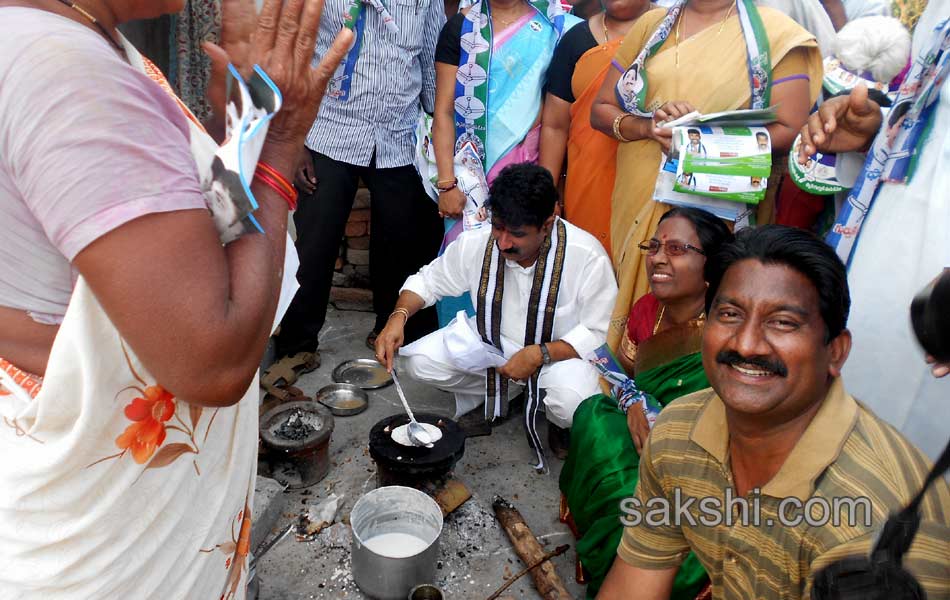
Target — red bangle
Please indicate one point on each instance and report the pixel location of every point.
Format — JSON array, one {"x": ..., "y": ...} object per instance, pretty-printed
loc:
[
  {"x": 290, "y": 199},
  {"x": 276, "y": 177}
]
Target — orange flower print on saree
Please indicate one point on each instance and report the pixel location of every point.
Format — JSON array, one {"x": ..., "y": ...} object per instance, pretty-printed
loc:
[
  {"x": 236, "y": 551},
  {"x": 148, "y": 416},
  {"x": 151, "y": 413}
]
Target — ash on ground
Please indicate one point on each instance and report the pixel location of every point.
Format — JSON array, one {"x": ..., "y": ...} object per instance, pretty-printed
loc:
[{"x": 298, "y": 426}]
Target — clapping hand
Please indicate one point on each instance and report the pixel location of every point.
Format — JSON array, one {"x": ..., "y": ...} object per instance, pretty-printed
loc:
[{"x": 281, "y": 40}]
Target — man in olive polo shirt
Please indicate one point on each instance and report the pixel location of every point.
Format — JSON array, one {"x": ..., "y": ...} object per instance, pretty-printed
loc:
[{"x": 779, "y": 430}]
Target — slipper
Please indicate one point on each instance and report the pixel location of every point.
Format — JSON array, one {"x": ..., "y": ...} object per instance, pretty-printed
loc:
[
  {"x": 288, "y": 369},
  {"x": 274, "y": 396},
  {"x": 371, "y": 340}
]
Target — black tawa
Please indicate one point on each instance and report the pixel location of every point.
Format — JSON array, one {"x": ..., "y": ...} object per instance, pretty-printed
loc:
[{"x": 413, "y": 465}]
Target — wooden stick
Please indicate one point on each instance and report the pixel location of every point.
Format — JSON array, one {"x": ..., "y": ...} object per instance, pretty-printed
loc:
[
  {"x": 546, "y": 579},
  {"x": 556, "y": 552}
]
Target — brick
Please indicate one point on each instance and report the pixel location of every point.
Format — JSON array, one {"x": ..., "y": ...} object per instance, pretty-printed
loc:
[
  {"x": 359, "y": 215},
  {"x": 357, "y": 257},
  {"x": 340, "y": 279},
  {"x": 361, "y": 270},
  {"x": 349, "y": 269},
  {"x": 339, "y": 263},
  {"x": 352, "y": 299},
  {"x": 359, "y": 243},
  {"x": 355, "y": 229},
  {"x": 362, "y": 199}
]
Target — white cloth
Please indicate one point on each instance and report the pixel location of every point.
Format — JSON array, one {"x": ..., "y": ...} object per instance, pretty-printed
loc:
[
  {"x": 855, "y": 9},
  {"x": 566, "y": 384},
  {"x": 811, "y": 15},
  {"x": 112, "y": 488},
  {"x": 903, "y": 245},
  {"x": 80, "y": 518},
  {"x": 585, "y": 300}
]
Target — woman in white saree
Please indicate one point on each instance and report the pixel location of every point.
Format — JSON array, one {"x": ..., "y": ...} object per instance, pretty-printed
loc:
[{"x": 129, "y": 335}]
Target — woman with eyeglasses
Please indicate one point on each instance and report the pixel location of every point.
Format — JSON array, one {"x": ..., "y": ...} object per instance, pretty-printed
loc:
[{"x": 661, "y": 350}]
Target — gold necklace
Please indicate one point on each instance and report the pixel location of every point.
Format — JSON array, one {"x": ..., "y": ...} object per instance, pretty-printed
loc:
[
  {"x": 606, "y": 37},
  {"x": 88, "y": 16},
  {"x": 682, "y": 19},
  {"x": 659, "y": 319}
]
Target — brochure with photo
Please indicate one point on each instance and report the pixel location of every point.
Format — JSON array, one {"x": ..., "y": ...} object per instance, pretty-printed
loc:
[
  {"x": 819, "y": 174},
  {"x": 743, "y": 215},
  {"x": 747, "y": 117},
  {"x": 468, "y": 170},
  {"x": 251, "y": 106},
  {"x": 727, "y": 163},
  {"x": 724, "y": 150}
]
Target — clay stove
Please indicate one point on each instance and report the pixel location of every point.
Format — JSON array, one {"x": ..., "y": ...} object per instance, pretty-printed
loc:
[{"x": 410, "y": 465}]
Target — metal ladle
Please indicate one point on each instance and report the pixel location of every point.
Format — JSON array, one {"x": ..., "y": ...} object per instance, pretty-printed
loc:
[{"x": 417, "y": 433}]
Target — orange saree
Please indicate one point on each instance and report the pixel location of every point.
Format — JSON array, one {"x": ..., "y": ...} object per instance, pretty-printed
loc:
[{"x": 591, "y": 155}]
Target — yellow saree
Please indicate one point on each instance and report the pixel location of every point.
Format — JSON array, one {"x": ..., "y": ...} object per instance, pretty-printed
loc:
[{"x": 711, "y": 75}]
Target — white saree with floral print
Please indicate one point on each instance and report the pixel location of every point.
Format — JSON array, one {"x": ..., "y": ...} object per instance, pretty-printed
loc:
[{"x": 111, "y": 487}]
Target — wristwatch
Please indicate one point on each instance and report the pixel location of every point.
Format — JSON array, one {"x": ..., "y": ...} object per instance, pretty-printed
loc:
[{"x": 545, "y": 355}]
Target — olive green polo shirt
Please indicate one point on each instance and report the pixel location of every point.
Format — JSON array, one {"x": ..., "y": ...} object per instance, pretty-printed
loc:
[{"x": 845, "y": 453}]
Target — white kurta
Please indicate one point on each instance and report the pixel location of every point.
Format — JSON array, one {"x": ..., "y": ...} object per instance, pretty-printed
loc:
[
  {"x": 585, "y": 300},
  {"x": 903, "y": 245}
]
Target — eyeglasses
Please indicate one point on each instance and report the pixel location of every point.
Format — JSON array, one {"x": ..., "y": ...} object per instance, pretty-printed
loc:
[{"x": 651, "y": 247}]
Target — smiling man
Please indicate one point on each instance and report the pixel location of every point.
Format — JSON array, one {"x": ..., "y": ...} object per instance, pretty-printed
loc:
[
  {"x": 543, "y": 291},
  {"x": 786, "y": 471}
]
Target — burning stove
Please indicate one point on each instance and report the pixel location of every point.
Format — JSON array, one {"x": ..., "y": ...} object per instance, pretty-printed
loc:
[{"x": 413, "y": 466}]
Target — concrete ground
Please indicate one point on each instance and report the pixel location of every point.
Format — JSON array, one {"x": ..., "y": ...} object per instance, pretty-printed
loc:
[{"x": 476, "y": 555}]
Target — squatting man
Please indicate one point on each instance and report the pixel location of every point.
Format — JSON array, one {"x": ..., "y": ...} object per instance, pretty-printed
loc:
[{"x": 543, "y": 291}]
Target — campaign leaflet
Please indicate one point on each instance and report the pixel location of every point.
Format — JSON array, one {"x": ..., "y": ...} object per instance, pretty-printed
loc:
[{"x": 727, "y": 163}]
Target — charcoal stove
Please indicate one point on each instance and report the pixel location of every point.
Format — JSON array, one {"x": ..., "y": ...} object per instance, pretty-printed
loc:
[{"x": 414, "y": 466}]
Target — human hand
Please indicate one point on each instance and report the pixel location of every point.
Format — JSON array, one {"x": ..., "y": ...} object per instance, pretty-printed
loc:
[
  {"x": 669, "y": 111},
  {"x": 388, "y": 341},
  {"x": 841, "y": 124},
  {"x": 452, "y": 203},
  {"x": 638, "y": 426},
  {"x": 938, "y": 369},
  {"x": 283, "y": 46},
  {"x": 523, "y": 364},
  {"x": 304, "y": 178},
  {"x": 238, "y": 21}
]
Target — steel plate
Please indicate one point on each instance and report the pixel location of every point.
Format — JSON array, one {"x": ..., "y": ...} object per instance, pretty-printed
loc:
[
  {"x": 365, "y": 373},
  {"x": 343, "y": 399}
]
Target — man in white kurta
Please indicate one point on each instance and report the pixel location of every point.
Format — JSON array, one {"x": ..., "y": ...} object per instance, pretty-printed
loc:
[{"x": 585, "y": 298}]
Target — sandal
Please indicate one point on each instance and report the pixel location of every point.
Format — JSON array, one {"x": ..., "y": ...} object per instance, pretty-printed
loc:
[
  {"x": 371, "y": 340},
  {"x": 275, "y": 395},
  {"x": 288, "y": 369}
]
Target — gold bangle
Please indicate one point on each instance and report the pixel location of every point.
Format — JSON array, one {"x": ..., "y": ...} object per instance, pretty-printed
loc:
[
  {"x": 617, "y": 134},
  {"x": 400, "y": 311}
]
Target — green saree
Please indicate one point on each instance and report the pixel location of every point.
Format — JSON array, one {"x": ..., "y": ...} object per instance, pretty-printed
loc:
[{"x": 602, "y": 468}]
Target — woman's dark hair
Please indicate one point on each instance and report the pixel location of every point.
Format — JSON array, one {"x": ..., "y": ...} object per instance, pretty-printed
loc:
[
  {"x": 796, "y": 248},
  {"x": 710, "y": 229},
  {"x": 522, "y": 194}
]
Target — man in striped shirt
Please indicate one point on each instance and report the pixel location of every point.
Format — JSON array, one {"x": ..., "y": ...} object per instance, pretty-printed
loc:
[
  {"x": 776, "y": 471},
  {"x": 365, "y": 130}
]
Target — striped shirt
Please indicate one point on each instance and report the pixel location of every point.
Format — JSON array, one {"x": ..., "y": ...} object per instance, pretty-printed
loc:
[
  {"x": 393, "y": 74},
  {"x": 846, "y": 452}
]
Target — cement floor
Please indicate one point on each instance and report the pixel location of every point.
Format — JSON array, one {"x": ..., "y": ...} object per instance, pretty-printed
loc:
[{"x": 476, "y": 555}]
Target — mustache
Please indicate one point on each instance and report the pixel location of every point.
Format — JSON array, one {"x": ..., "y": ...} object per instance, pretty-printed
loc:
[
  {"x": 511, "y": 251},
  {"x": 731, "y": 357}
]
